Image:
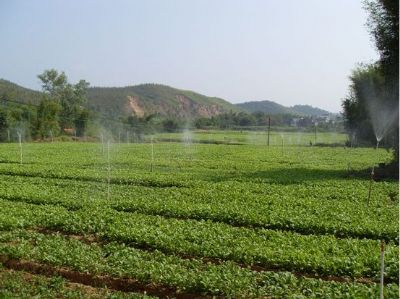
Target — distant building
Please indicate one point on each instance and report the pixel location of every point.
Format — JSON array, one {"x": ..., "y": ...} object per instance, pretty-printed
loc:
[{"x": 69, "y": 131}]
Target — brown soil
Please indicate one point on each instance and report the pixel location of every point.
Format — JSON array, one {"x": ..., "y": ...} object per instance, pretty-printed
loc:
[
  {"x": 92, "y": 292},
  {"x": 134, "y": 106},
  {"x": 119, "y": 284}
]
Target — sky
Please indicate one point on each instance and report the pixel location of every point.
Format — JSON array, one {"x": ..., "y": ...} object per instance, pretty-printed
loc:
[{"x": 291, "y": 52}]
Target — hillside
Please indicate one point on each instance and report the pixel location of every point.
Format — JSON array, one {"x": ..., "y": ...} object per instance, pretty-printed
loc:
[
  {"x": 15, "y": 92},
  {"x": 309, "y": 110},
  {"x": 275, "y": 108},
  {"x": 265, "y": 106},
  {"x": 140, "y": 100},
  {"x": 146, "y": 99}
]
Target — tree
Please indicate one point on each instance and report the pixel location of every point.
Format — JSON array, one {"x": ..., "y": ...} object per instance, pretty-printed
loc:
[
  {"x": 170, "y": 125},
  {"x": 383, "y": 24},
  {"x": 53, "y": 83},
  {"x": 81, "y": 122},
  {"x": 3, "y": 125},
  {"x": 70, "y": 98},
  {"x": 47, "y": 118}
]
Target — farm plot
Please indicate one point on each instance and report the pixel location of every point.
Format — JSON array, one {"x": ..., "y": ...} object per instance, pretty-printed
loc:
[{"x": 197, "y": 220}]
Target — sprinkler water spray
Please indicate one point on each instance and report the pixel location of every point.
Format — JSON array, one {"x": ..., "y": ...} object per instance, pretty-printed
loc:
[
  {"x": 108, "y": 170},
  {"x": 152, "y": 154},
  {"x": 102, "y": 142},
  {"x": 187, "y": 140},
  {"x": 383, "y": 114},
  {"x": 378, "y": 140}
]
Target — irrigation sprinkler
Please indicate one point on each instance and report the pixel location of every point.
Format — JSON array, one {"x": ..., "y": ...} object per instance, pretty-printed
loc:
[
  {"x": 152, "y": 154},
  {"x": 383, "y": 117},
  {"x": 378, "y": 140},
  {"x": 51, "y": 135},
  {"x": 348, "y": 167},
  {"x": 20, "y": 146},
  {"x": 370, "y": 186},
  {"x": 382, "y": 267},
  {"x": 8, "y": 135},
  {"x": 353, "y": 136},
  {"x": 315, "y": 133}
]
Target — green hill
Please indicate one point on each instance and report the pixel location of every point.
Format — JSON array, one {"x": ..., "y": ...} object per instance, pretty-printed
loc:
[
  {"x": 309, "y": 110},
  {"x": 275, "y": 108},
  {"x": 146, "y": 99},
  {"x": 265, "y": 106},
  {"x": 14, "y": 92}
]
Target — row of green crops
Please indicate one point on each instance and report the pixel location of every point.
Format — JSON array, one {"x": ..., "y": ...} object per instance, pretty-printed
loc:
[
  {"x": 257, "y": 137},
  {"x": 198, "y": 158},
  {"x": 240, "y": 204},
  {"x": 324, "y": 255},
  {"x": 192, "y": 276}
]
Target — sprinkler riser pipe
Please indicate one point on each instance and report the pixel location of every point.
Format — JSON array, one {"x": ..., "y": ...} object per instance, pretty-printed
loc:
[
  {"x": 370, "y": 186},
  {"x": 20, "y": 146},
  {"x": 382, "y": 269},
  {"x": 108, "y": 170}
]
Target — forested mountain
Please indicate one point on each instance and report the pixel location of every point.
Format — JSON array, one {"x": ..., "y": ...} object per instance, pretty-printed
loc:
[
  {"x": 270, "y": 107},
  {"x": 146, "y": 99}
]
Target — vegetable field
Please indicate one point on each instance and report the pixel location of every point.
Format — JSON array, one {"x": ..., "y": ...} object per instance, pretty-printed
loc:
[{"x": 195, "y": 220}]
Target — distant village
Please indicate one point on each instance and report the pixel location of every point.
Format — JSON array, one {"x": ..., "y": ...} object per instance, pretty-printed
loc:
[{"x": 327, "y": 118}]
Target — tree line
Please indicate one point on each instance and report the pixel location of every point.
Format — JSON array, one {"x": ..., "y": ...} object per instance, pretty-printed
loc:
[{"x": 61, "y": 109}]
